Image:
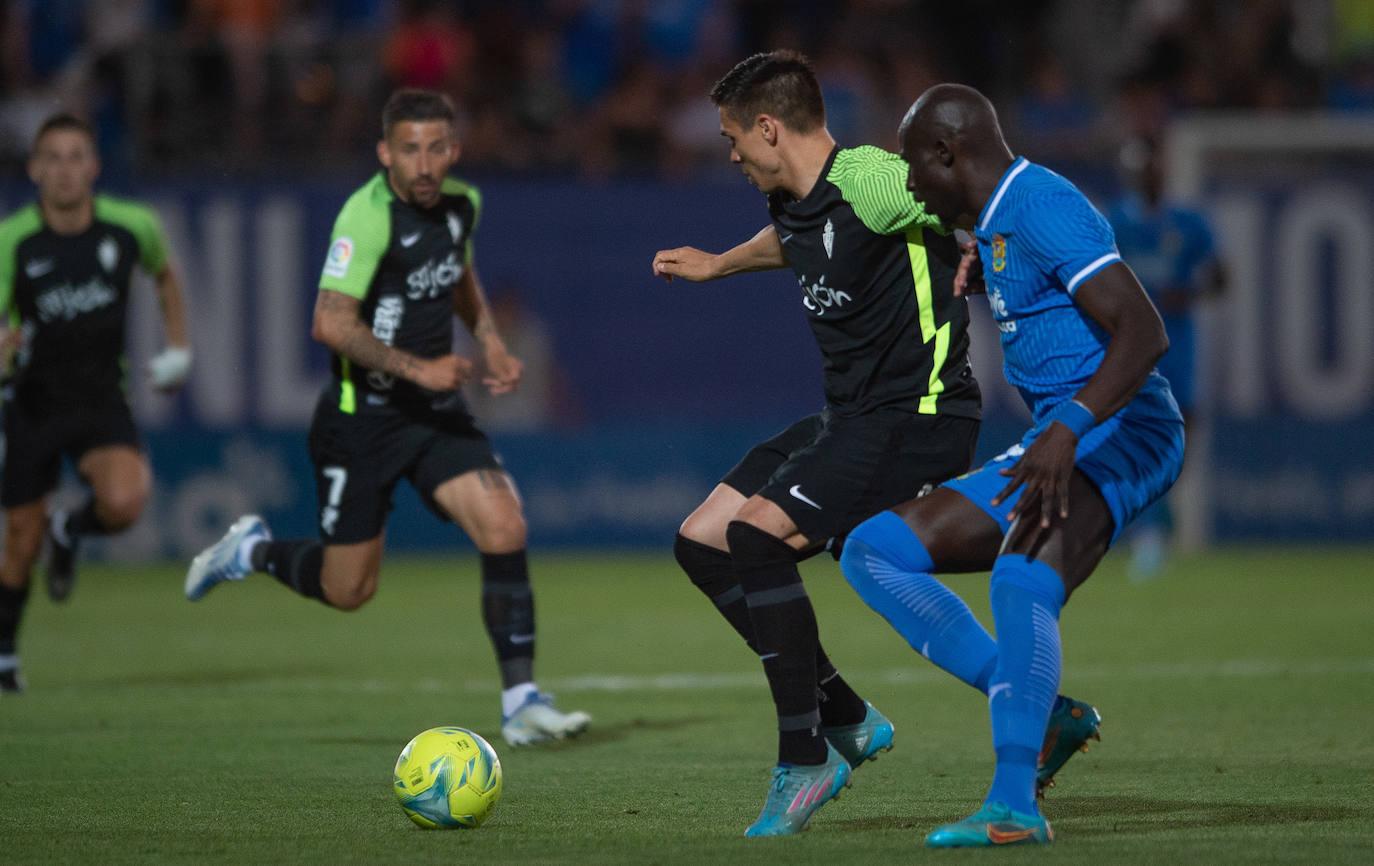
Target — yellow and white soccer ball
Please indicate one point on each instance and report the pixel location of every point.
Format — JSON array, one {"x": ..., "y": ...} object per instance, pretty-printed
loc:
[{"x": 448, "y": 777}]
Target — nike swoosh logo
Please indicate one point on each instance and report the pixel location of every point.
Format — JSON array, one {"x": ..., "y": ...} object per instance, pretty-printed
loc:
[
  {"x": 1007, "y": 837},
  {"x": 36, "y": 269},
  {"x": 410, "y": 239},
  {"x": 782, "y": 239},
  {"x": 521, "y": 638},
  {"x": 998, "y": 689},
  {"x": 795, "y": 491}
]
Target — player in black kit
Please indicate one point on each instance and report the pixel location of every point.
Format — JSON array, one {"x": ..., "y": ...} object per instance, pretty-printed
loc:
[
  {"x": 66, "y": 265},
  {"x": 902, "y": 407},
  {"x": 399, "y": 268}
]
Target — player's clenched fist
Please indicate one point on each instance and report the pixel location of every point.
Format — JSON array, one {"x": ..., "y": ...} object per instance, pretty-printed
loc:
[
  {"x": 689, "y": 263},
  {"x": 444, "y": 373}
]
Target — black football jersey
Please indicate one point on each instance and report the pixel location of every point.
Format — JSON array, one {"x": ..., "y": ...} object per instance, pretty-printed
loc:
[
  {"x": 68, "y": 296},
  {"x": 877, "y": 279},
  {"x": 402, "y": 262}
]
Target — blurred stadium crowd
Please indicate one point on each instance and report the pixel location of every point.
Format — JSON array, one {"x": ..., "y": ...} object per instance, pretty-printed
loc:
[{"x": 617, "y": 87}]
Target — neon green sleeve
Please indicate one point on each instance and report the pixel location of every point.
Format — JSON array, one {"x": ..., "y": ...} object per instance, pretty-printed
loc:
[
  {"x": 142, "y": 223},
  {"x": 13, "y": 230},
  {"x": 873, "y": 181},
  {"x": 362, "y": 233}
]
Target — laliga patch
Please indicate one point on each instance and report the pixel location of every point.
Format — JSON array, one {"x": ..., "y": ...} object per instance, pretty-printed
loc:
[{"x": 340, "y": 254}]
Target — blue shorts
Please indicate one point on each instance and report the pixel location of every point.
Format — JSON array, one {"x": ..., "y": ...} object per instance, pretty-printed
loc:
[{"x": 1133, "y": 458}]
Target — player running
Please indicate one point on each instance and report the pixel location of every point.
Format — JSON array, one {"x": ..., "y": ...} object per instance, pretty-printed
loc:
[
  {"x": 902, "y": 407},
  {"x": 1080, "y": 340},
  {"x": 1172, "y": 251},
  {"x": 66, "y": 266},
  {"x": 400, "y": 266}
]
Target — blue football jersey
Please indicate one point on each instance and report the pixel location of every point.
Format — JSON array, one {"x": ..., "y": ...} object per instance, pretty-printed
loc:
[{"x": 1039, "y": 239}]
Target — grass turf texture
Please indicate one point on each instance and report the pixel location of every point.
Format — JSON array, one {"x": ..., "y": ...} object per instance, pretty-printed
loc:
[{"x": 258, "y": 727}]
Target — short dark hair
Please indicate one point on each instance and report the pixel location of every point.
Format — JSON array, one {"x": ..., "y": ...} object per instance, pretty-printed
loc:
[
  {"x": 413, "y": 104},
  {"x": 64, "y": 120},
  {"x": 780, "y": 83}
]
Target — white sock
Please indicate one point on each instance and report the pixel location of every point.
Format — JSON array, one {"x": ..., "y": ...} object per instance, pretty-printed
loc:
[
  {"x": 514, "y": 698},
  {"x": 245, "y": 554},
  {"x": 9, "y": 662}
]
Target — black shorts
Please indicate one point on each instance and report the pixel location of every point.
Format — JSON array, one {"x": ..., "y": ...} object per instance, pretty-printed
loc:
[
  {"x": 37, "y": 438},
  {"x": 359, "y": 458},
  {"x": 829, "y": 474}
]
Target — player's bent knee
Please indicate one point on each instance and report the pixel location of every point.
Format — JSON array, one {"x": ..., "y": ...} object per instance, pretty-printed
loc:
[
  {"x": 120, "y": 511},
  {"x": 24, "y": 539},
  {"x": 504, "y": 536},
  {"x": 349, "y": 598},
  {"x": 885, "y": 536}
]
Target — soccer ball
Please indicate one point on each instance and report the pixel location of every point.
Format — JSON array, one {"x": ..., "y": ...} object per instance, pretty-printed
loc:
[{"x": 447, "y": 777}]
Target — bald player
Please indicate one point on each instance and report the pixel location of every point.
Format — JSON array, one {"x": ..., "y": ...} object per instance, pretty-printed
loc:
[{"x": 1080, "y": 339}]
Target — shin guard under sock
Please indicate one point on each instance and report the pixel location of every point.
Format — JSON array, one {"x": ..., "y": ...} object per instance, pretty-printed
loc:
[
  {"x": 508, "y": 614},
  {"x": 1026, "y": 599},
  {"x": 785, "y": 635}
]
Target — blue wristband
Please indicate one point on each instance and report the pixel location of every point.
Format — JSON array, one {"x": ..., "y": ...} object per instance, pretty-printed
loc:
[{"x": 1076, "y": 417}]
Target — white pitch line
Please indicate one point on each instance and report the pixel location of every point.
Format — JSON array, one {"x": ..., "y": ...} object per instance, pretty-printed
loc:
[{"x": 685, "y": 682}]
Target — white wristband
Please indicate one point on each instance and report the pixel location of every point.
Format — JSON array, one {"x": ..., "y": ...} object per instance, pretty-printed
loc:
[{"x": 170, "y": 367}]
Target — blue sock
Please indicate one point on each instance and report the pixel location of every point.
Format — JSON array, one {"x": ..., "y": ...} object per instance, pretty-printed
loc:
[
  {"x": 1026, "y": 598},
  {"x": 890, "y": 569}
]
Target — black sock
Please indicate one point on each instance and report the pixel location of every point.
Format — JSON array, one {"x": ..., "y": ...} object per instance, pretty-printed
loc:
[
  {"x": 84, "y": 521},
  {"x": 840, "y": 704},
  {"x": 785, "y": 635},
  {"x": 12, "y": 603},
  {"x": 713, "y": 572},
  {"x": 296, "y": 562},
  {"x": 508, "y": 613}
]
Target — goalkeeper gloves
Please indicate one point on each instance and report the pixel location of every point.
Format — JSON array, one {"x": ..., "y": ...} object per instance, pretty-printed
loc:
[{"x": 170, "y": 367}]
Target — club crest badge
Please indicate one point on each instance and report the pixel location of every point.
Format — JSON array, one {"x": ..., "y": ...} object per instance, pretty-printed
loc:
[
  {"x": 828, "y": 238},
  {"x": 999, "y": 253},
  {"x": 108, "y": 254},
  {"x": 455, "y": 226}
]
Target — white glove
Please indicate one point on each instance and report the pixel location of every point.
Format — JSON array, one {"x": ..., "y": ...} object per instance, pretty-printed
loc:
[{"x": 170, "y": 368}]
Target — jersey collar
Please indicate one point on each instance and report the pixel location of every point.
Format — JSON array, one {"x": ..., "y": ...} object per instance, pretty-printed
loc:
[{"x": 1017, "y": 166}]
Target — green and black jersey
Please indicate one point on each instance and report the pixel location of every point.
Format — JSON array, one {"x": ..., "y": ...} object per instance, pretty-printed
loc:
[
  {"x": 68, "y": 295},
  {"x": 877, "y": 283},
  {"x": 402, "y": 262}
]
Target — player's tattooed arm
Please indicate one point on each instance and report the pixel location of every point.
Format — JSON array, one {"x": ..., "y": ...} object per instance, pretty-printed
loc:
[{"x": 338, "y": 327}]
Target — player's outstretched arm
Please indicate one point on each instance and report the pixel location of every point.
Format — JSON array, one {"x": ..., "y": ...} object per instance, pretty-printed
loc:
[
  {"x": 762, "y": 252},
  {"x": 470, "y": 306},
  {"x": 337, "y": 326},
  {"x": 170, "y": 367}
]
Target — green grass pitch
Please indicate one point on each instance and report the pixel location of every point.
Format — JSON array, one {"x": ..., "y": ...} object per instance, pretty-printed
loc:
[{"x": 254, "y": 727}]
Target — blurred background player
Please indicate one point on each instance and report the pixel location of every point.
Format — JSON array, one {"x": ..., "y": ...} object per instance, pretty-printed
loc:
[
  {"x": 1171, "y": 251},
  {"x": 66, "y": 266},
  {"x": 1080, "y": 340},
  {"x": 399, "y": 269},
  {"x": 902, "y": 406}
]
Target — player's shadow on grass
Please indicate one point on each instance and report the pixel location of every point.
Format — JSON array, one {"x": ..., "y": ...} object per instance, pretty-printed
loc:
[
  {"x": 1084, "y": 816},
  {"x": 612, "y": 732},
  {"x": 1145, "y": 815}
]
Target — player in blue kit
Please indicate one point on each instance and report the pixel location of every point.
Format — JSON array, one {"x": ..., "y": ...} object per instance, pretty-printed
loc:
[
  {"x": 1080, "y": 340},
  {"x": 1172, "y": 253}
]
